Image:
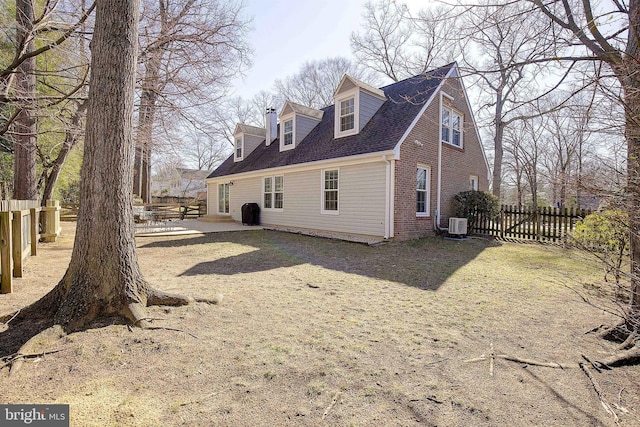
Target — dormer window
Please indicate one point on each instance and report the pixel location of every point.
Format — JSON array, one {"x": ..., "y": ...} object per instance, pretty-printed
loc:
[
  {"x": 355, "y": 104},
  {"x": 288, "y": 132},
  {"x": 296, "y": 121},
  {"x": 239, "y": 148},
  {"x": 347, "y": 115}
]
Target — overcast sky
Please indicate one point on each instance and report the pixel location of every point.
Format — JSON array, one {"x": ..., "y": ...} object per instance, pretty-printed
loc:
[{"x": 288, "y": 33}]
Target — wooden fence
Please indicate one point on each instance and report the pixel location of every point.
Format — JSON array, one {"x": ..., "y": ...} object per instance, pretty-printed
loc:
[
  {"x": 519, "y": 222},
  {"x": 155, "y": 211},
  {"x": 21, "y": 227}
]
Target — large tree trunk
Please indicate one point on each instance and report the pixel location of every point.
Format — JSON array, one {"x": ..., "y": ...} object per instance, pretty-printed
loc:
[
  {"x": 25, "y": 179},
  {"x": 103, "y": 278}
]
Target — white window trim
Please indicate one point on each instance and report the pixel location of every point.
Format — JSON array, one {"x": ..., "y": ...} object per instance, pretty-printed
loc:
[
  {"x": 452, "y": 111},
  {"x": 355, "y": 94},
  {"x": 322, "y": 193},
  {"x": 427, "y": 191},
  {"x": 223, "y": 184},
  {"x": 273, "y": 193},
  {"x": 474, "y": 179},
  {"x": 235, "y": 148},
  {"x": 283, "y": 119}
]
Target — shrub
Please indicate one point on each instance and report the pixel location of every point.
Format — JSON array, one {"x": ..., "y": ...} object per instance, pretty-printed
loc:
[
  {"x": 472, "y": 204},
  {"x": 606, "y": 234}
]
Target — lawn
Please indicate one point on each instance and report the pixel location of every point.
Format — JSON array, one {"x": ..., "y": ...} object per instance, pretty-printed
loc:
[{"x": 314, "y": 332}]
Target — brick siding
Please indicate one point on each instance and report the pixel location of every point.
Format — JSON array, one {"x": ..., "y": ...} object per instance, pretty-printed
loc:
[{"x": 421, "y": 148}]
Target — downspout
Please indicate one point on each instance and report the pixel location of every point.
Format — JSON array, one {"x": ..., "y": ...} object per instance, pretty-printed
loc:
[
  {"x": 387, "y": 201},
  {"x": 436, "y": 223}
]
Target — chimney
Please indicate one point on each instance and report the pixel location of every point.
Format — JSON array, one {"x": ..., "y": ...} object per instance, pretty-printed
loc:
[{"x": 271, "y": 120}]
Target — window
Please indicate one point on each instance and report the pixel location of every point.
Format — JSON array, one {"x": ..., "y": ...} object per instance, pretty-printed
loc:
[
  {"x": 288, "y": 132},
  {"x": 274, "y": 192},
  {"x": 330, "y": 191},
  {"x": 347, "y": 115},
  {"x": 451, "y": 127},
  {"x": 239, "y": 148},
  {"x": 473, "y": 182},
  {"x": 423, "y": 178},
  {"x": 223, "y": 198}
]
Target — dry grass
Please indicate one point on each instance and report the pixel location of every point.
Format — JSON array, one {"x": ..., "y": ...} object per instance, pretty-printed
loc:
[{"x": 320, "y": 332}]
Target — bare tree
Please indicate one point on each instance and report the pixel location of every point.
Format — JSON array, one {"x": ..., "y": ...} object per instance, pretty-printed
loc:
[
  {"x": 316, "y": 82},
  {"x": 395, "y": 44},
  {"x": 190, "y": 49},
  {"x": 55, "y": 35},
  {"x": 610, "y": 35},
  {"x": 500, "y": 44}
]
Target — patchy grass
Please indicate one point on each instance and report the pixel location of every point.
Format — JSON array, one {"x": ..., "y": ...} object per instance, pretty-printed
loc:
[{"x": 321, "y": 332}]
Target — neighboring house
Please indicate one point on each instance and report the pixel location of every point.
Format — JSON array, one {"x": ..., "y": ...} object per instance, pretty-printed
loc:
[
  {"x": 379, "y": 162},
  {"x": 180, "y": 182}
]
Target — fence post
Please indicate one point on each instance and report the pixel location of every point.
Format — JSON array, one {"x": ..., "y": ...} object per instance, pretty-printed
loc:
[
  {"x": 502, "y": 219},
  {"x": 6, "y": 280},
  {"x": 52, "y": 221},
  {"x": 16, "y": 243},
  {"x": 35, "y": 236}
]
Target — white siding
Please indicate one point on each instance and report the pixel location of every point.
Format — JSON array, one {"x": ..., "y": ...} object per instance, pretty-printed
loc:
[{"x": 361, "y": 200}]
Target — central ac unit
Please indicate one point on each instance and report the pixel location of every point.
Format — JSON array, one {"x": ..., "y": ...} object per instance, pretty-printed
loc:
[{"x": 458, "y": 226}]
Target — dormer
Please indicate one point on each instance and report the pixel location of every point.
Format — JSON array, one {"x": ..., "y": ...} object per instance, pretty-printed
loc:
[
  {"x": 296, "y": 121},
  {"x": 245, "y": 139},
  {"x": 355, "y": 103}
]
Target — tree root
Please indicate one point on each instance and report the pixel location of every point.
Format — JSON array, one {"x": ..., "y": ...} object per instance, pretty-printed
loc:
[
  {"x": 627, "y": 357},
  {"x": 158, "y": 297},
  {"x": 598, "y": 391},
  {"x": 35, "y": 345}
]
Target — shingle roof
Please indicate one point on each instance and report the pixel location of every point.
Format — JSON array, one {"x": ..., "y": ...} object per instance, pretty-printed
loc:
[
  {"x": 405, "y": 99},
  {"x": 250, "y": 130},
  {"x": 303, "y": 110}
]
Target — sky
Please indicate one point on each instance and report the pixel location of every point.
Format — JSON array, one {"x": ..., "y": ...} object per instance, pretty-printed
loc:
[{"x": 288, "y": 33}]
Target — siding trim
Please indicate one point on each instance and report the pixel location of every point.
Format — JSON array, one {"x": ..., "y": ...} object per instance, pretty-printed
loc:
[
  {"x": 396, "y": 150},
  {"x": 341, "y": 161}
]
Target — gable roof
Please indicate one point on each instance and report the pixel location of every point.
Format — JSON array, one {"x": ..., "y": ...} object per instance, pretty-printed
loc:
[
  {"x": 405, "y": 100},
  {"x": 292, "y": 107},
  {"x": 249, "y": 130},
  {"x": 349, "y": 82}
]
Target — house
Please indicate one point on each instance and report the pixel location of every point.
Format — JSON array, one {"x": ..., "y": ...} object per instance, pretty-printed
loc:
[
  {"x": 381, "y": 162},
  {"x": 179, "y": 182}
]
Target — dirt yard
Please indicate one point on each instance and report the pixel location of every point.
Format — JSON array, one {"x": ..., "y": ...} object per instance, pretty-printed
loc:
[{"x": 317, "y": 332}]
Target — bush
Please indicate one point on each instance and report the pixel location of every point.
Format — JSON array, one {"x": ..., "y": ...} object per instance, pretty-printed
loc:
[
  {"x": 472, "y": 204},
  {"x": 606, "y": 234}
]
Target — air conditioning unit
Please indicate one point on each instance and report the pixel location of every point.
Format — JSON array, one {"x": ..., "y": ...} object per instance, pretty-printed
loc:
[{"x": 458, "y": 226}]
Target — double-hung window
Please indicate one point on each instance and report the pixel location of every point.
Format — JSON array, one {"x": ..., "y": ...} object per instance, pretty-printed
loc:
[
  {"x": 451, "y": 127},
  {"x": 274, "y": 192},
  {"x": 423, "y": 177},
  {"x": 347, "y": 115},
  {"x": 288, "y": 132},
  {"x": 238, "y": 148},
  {"x": 330, "y": 191}
]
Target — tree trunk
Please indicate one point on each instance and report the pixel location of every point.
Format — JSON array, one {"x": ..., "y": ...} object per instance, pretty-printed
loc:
[
  {"x": 628, "y": 76},
  {"x": 498, "y": 147},
  {"x": 24, "y": 177},
  {"x": 72, "y": 136},
  {"x": 103, "y": 278},
  {"x": 144, "y": 139}
]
